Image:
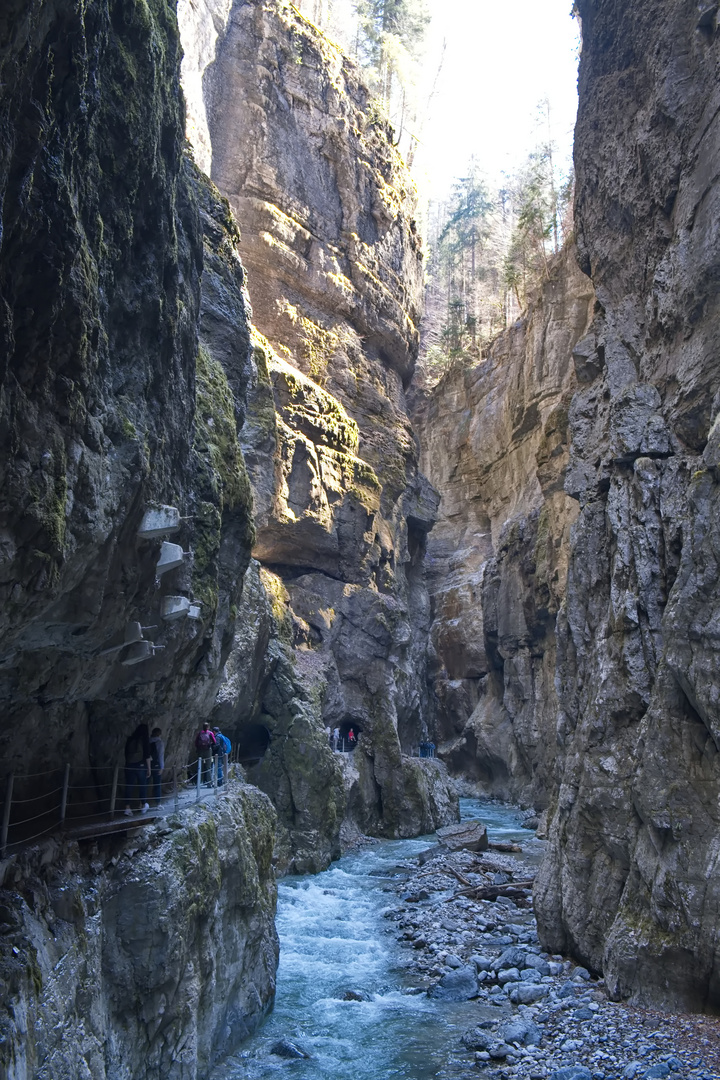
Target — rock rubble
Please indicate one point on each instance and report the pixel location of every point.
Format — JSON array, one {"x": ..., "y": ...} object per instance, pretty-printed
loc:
[{"x": 540, "y": 1016}]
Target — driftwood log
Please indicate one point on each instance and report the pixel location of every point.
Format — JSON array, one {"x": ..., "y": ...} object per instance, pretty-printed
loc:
[{"x": 516, "y": 890}]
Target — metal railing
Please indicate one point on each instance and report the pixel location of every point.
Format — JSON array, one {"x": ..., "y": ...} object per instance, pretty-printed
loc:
[
  {"x": 424, "y": 749},
  {"x": 74, "y": 808}
]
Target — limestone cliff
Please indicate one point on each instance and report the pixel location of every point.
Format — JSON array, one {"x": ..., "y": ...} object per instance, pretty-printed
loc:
[
  {"x": 576, "y": 661},
  {"x": 152, "y": 957},
  {"x": 494, "y": 436},
  {"x": 630, "y": 881},
  {"x": 325, "y": 208}
]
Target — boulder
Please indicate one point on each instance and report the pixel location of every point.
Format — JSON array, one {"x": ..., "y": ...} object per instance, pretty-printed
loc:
[
  {"x": 527, "y": 993},
  {"x": 512, "y": 957},
  {"x": 477, "y": 1039},
  {"x": 458, "y": 985},
  {"x": 285, "y": 1049},
  {"x": 524, "y": 1032},
  {"x": 467, "y": 835}
]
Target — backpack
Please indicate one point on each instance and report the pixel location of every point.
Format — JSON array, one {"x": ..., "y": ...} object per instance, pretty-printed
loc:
[{"x": 204, "y": 740}]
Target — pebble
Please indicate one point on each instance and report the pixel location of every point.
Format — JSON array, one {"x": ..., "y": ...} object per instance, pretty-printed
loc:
[{"x": 555, "y": 1021}]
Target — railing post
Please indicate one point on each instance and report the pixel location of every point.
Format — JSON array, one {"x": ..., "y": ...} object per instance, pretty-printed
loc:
[
  {"x": 63, "y": 798},
  {"x": 199, "y": 778},
  {"x": 216, "y": 758},
  {"x": 113, "y": 793},
  {"x": 6, "y": 814},
  {"x": 176, "y": 798},
  {"x": 226, "y": 769}
]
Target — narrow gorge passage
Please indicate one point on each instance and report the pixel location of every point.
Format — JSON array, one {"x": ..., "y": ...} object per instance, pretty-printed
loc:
[{"x": 360, "y": 404}]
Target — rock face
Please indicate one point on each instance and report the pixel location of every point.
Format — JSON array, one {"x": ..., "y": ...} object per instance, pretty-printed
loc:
[
  {"x": 576, "y": 665},
  {"x": 629, "y": 884},
  {"x": 109, "y": 404},
  {"x": 155, "y": 959},
  {"x": 494, "y": 439},
  {"x": 326, "y": 213}
]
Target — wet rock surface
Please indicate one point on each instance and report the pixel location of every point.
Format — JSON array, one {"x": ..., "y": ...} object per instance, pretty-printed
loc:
[{"x": 540, "y": 1016}]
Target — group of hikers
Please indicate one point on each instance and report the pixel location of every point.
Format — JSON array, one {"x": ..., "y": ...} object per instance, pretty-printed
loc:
[
  {"x": 145, "y": 761},
  {"x": 348, "y": 743}
]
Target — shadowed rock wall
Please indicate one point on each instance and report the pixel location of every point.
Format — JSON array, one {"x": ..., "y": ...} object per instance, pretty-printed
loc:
[
  {"x": 495, "y": 444},
  {"x": 629, "y": 882},
  {"x": 108, "y": 404}
]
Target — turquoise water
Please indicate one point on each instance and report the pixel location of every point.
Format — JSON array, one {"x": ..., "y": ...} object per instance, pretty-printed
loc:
[{"x": 333, "y": 939}]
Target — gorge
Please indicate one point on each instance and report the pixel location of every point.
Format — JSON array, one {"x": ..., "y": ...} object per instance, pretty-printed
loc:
[{"x": 211, "y": 293}]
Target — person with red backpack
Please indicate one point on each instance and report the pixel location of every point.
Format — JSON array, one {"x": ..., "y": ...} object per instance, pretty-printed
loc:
[{"x": 205, "y": 746}]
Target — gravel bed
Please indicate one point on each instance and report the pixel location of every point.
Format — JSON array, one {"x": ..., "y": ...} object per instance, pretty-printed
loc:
[{"x": 539, "y": 1017}]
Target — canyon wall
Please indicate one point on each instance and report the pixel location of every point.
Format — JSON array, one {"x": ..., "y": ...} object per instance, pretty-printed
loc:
[
  {"x": 150, "y": 957},
  {"x": 574, "y": 579},
  {"x": 629, "y": 883},
  {"x": 325, "y": 208},
  {"x": 108, "y": 404},
  {"x": 125, "y": 357},
  {"x": 495, "y": 443}
]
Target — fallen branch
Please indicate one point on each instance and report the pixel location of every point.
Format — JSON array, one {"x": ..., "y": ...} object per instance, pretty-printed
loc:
[
  {"x": 491, "y": 892},
  {"x": 449, "y": 871},
  {"x": 505, "y": 846}
]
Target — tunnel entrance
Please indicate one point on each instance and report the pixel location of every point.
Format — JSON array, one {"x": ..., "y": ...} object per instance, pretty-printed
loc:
[
  {"x": 347, "y": 743},
  {"x": 252, "y": 744}
]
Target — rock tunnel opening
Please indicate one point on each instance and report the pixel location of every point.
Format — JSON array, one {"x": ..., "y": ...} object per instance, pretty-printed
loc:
[
  {"x": 252, "y": 744},
  {"x": 347, "y": 743}
]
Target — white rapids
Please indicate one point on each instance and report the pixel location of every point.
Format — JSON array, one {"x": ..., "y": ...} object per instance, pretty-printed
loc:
[{"x": 333, "y": 939}]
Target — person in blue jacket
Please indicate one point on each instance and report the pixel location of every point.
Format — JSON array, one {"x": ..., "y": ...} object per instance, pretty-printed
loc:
[{"x": 222, "y": 746}]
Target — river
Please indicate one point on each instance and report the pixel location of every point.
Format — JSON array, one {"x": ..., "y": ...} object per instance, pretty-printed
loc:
[{"x": 333, "y": 939}]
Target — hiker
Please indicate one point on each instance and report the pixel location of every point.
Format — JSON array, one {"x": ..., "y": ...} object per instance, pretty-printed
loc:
[
  {"x": 157, "y": 759},
  {"x": 137, "y": 766},
  {"x": 351, "y": 739},
  {"x": 204, "y": 744},
  {"x": 222, "y": 747},
  {"x": 335, "y": 738}
]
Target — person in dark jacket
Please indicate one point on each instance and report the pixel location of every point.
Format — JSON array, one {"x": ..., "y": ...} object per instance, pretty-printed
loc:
[
  {"x": 137, "y": 766},
  {"x": 205, "y": 746}
]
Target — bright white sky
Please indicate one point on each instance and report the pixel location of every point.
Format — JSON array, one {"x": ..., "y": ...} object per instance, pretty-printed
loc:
[{"x": 501, "y": 59}]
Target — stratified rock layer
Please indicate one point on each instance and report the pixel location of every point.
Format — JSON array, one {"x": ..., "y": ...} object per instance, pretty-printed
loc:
[
  {"x": 494, "y": 435},
  {"x": 326, "y": 213}
]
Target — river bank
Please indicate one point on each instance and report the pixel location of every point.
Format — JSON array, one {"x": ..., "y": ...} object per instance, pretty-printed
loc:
[{"x": 391, "y": 967}]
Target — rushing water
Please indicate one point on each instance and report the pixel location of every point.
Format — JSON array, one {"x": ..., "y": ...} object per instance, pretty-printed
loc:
[{"x": 333, "y": 939}]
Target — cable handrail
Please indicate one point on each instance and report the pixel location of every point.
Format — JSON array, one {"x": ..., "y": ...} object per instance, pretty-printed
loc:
[
  {"x": 34, "y": 798},
  {"x": 206, "y": 771}
]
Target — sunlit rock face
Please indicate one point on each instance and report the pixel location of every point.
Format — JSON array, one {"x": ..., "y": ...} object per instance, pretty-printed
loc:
[
  {"x": 336, "y": 634},
  {"x": 495, "y": 445},
  {"x": 630, "y": 881}
]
